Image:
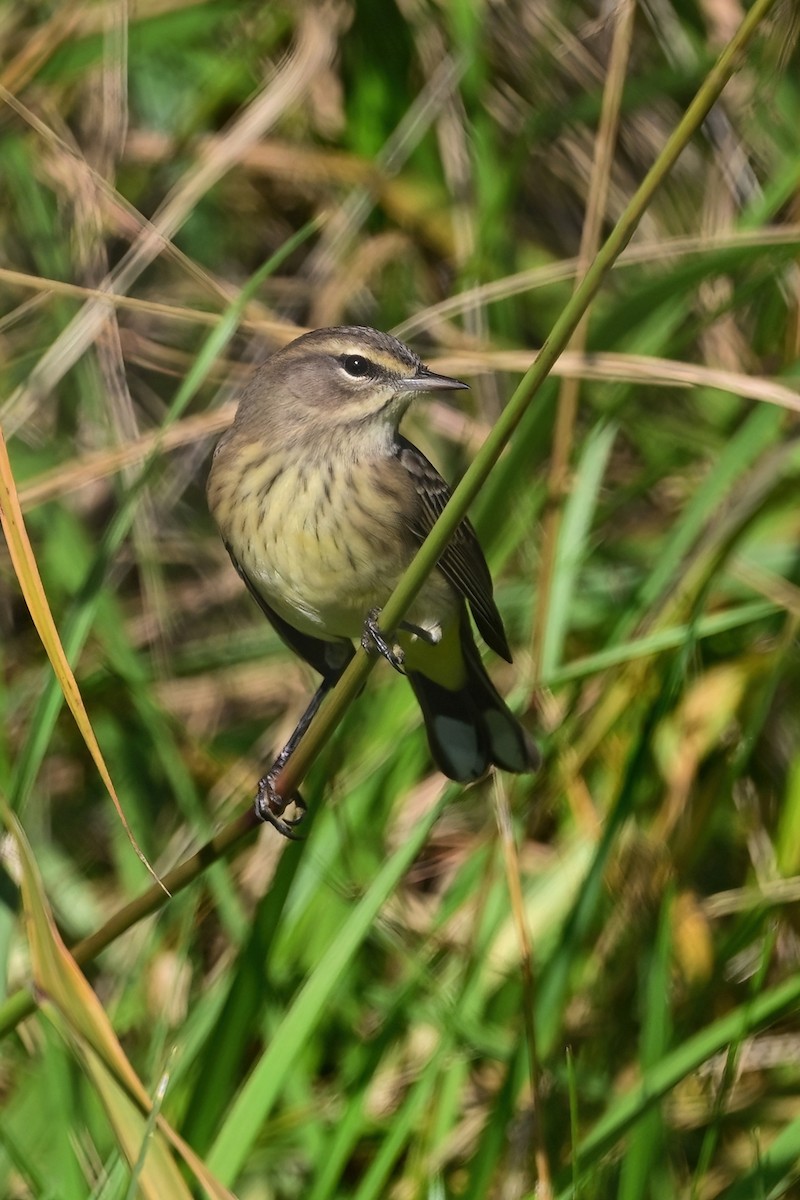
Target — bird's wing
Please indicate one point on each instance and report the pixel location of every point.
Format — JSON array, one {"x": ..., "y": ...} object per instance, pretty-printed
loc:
[
  {"x": 462, "y": 562},
  {"x": 329, "y": 658}
]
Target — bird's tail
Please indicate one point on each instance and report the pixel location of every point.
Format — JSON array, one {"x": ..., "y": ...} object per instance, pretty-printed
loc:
[{"x": 471, "y": 727}]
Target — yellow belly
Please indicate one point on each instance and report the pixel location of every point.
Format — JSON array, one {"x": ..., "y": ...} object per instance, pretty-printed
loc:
[{"x": 323, "y": 557}]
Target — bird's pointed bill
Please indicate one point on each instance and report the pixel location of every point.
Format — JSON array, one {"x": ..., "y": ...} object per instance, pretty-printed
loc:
[{"x": 426, "y": 380}]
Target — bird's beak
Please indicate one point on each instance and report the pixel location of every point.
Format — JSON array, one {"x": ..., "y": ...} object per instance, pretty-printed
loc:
[{"x": 426, "y": 380}]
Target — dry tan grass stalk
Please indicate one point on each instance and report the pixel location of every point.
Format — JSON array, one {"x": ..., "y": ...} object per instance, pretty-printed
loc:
[{"x": 314, "y": 48}]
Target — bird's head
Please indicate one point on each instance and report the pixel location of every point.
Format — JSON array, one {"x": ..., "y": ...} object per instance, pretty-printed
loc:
[{"x": 345, "y": 381}]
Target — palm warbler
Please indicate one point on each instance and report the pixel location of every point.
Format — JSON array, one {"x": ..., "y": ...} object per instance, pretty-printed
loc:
[{"x": 322, "y": 504}]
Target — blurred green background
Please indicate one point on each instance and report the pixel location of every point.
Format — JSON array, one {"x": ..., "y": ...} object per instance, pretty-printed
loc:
[{"x": 351, "y": 1016}]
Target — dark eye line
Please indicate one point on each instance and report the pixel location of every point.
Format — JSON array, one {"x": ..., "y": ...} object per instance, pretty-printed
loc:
[{"x": 359, "y": 367}]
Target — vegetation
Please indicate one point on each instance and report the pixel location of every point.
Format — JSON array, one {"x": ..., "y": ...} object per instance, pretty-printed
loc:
[{"x": 582, "y": 984}]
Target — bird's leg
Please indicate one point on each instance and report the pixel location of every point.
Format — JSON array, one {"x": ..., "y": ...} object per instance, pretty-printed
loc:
[
  {"x": 270, "y": 805},
  {"x": 373, "y": 639}
]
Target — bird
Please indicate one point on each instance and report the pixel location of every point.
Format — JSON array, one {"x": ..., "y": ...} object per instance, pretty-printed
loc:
[{"x": 322, "y": 503}]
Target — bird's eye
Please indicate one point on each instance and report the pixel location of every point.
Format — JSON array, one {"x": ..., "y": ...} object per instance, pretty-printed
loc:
[{"x": 356, "y": 365}]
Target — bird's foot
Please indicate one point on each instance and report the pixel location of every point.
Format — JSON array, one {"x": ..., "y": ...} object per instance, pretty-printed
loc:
[
  {"x": 270, "y": 805},
  {"x": 374, "y": 640}
]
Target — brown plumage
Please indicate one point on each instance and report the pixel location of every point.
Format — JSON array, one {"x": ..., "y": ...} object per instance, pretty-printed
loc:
[{"x": 322, "y": 505}]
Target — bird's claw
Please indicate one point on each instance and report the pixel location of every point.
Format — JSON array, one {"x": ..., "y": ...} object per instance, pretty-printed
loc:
[
  {"x": 374, "y": 640},
  {"x": 270, "y": 806}
]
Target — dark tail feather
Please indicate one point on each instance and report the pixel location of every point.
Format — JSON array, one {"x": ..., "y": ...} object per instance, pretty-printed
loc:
[{"x": 472, "y": 728}]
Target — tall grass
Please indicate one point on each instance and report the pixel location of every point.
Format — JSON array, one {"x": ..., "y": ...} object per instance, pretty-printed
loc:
[{"x": 597, "y": 995}]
